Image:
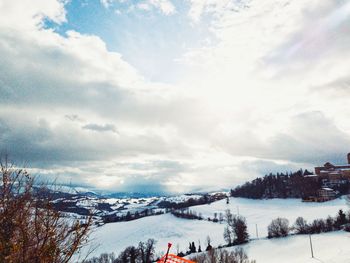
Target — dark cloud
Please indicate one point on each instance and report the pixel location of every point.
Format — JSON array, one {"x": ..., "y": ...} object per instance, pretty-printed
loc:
[
  {"x": 310, "y": 138},
  {"x": 100, "y": 128},
  {"x": 73, "y": 117},
  {"x": 37, "y": 141}
]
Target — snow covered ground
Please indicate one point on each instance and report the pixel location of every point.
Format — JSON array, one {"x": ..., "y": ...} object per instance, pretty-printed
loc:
[
  {"x": 261, "y": 212},
  {"x": 114, "y": 237},
  {"x": 328, "y": 248}
]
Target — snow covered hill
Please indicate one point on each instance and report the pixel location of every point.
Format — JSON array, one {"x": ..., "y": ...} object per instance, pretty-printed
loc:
[
  {"x": 114, "y": 237},
  {"x": 260, "y": 212}
]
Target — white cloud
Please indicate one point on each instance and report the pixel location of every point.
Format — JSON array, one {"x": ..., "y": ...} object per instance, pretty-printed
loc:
[
  {"x": 164, "y": 6},
  {"x": 28, "y": 14},
  {"x": 198, "y": 8}
]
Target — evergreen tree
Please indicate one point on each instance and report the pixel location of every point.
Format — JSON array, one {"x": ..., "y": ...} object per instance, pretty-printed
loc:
[
  {"x": 209, "y": 247},
  {"x": 341, "y": 218},
  {"x": 194, "y": 250}
]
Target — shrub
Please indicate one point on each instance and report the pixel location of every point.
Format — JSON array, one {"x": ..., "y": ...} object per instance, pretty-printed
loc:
[
  {"x": 279, "y": 227},
  {"x": 223, "y": 256},
  {"x": 301, "y": 226}
]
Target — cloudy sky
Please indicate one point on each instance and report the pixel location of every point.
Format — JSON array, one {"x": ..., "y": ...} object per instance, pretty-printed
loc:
[{"x": 173, "y": 95}]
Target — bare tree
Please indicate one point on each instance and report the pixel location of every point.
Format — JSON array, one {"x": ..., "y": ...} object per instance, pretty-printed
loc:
[
  {"x": 228, "y": 235},
  {"x": 30, "y": 229},
  {"x": 236, "y": 230},
  {"x": 147, "y": 250},
  {"x": 301, "y": 226},
  {"x": 279, "y": 227}
]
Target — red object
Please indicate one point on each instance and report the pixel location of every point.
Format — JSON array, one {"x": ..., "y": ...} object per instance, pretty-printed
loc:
[
  {"x": 169, "y": 245},
  {"x": 171, "y": 258}
]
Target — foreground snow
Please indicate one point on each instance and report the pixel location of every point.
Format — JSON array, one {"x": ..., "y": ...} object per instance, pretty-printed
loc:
[
  {"x": 115, "y": 237},
  {"x": 328, "y": 248}
]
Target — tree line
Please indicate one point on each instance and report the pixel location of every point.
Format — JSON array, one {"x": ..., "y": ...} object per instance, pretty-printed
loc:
[
  {"x": 130, "y": 216},
  {"x": 279, "y": 227},
  {"x": 205, "y": 199},
  {"x": 281, "y": 185},
  {"x": 143, "y": 253}
]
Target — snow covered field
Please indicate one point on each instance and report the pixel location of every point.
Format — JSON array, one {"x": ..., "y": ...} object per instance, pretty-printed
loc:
[
  {"x": 328, "y": 248},
  {"x": 114, "y": 237},
  {"x": 261, "y": 212}
]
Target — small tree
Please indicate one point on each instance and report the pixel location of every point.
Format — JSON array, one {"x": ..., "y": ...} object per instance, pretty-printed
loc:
[
  {"x": 228, "y": 235},
  {"x": 279, "y": 227},
  {"x": 317, "y": 226},
  {"x": 240, "y": 229},
  {"x": 194, "y": 249},
  {"x": 236, "y": 230},
  {"x": 329, "y": 224},
  {"x": 209, "y": 247},
  {"x": 131, "y": 253},
  {"x": 341, "y": 218},
  {"x": 300, "y": 225},
  {"x": 146, "y": 250},
  {"x": 221, "y": 217}
]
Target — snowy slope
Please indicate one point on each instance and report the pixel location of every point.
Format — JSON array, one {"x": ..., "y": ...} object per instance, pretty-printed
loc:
[
  {"x": 114, "y": 237},
  {"x": 328, "y": 248},
  {"x": 261, "y": 212}
]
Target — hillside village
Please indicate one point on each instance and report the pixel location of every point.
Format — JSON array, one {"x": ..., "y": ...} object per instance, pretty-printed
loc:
[
  {"x": 326, "y": 183},
  {"x": 334, "y": 180}
]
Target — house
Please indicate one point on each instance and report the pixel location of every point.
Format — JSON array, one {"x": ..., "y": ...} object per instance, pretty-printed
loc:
[
  {"x": 325, "y": 194},
  {"x": 322, "y": 195}
]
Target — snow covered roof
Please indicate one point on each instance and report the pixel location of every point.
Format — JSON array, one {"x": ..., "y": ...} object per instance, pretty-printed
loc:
[
  {"x": 327, "y": 189},
  {"x": 311, "y": 175}
]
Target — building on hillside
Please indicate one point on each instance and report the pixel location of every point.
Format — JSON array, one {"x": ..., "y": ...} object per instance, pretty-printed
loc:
[
  {"x": 334, "y": 180},
  {"x": 334, "y": 175}
]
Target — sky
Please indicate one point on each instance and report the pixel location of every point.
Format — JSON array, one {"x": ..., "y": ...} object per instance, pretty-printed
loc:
[{"x": 173, "y": 95}]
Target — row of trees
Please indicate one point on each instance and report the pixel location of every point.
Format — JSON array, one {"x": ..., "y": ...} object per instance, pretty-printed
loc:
[
  {"x": 280, "y": 185},
  {"x": 187, "y": 214},
  {"x": 130, "y": 216},
  {"x": 279, "y": 227},
  {"x": 341, "y": 221},
  {"x": 222, "y": 256},
  {"x": 193, "y": 249},
  {"x": 205, "y": 199},
  {"x": 143, "y": 253}
]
